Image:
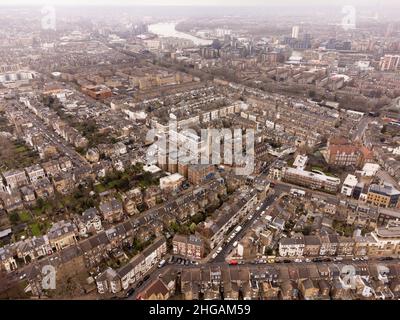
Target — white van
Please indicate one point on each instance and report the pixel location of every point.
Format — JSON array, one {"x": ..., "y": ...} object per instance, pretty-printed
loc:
[{"x": 161, "y": 264}]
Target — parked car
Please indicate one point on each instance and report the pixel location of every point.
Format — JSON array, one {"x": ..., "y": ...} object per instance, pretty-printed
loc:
[
  {"x": 386, "y": 259},
  {"x": 162, "y": 263},
  {"x": 146, "y": 277},
  {"x": 130, "y": 292}
]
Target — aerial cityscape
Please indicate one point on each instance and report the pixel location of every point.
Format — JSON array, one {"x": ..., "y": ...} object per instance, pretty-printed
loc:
[{"x": 200, "y": 150}]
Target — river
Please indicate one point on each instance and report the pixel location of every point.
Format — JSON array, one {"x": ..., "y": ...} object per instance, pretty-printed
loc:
[{"x": 167, "y": 29}]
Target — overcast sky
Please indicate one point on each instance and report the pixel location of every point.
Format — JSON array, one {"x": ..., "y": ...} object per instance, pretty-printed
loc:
[{"x": 203, "y": 2}]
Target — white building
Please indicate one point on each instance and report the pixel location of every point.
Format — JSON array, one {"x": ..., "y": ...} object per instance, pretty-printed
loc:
[
  {"x": 295, "y": 32},
  {"x": 300, "y": 162},
  {"x": 370, "y": 169},
  {"x": 171, "y": 182},
  {"x": 291, "y": 247},
  {"x": 349, "y": 184}
]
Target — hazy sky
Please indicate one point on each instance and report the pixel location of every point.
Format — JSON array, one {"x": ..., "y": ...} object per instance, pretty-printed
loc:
[{"x": 202, "y": 2}]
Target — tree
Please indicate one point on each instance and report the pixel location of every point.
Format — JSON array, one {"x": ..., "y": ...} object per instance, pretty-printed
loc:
[
  {"x": 306, "y": 230},
  {"x": 14, "y": 217},
  {"x": 311, "y": 93},
  {"x": 40, "y": 203},
  {"x": 192, "y": 228},
  {"x": 269, "y": 251}
]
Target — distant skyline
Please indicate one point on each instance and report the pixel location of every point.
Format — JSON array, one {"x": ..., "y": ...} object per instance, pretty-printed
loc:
[{"x": 243, "y": 3}]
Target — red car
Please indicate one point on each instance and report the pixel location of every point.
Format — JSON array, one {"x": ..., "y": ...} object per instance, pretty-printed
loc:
[{"x": 233, "y": 263}]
